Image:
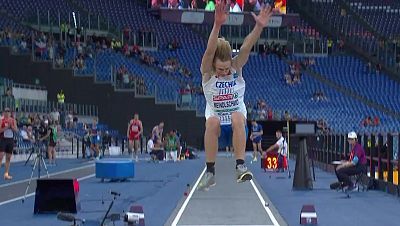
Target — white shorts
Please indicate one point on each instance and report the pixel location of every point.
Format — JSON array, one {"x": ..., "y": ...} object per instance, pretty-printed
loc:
[{"x": 171, "y": 156}]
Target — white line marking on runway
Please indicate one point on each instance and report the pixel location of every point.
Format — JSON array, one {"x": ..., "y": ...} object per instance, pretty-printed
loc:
[
  {"x": 50, "y": 174},
  {"x": 274, "y": 221},
  {"x": 180, "y": 212},
  {"x": 33, "y": 193},
  {"x": 225, "y": 225}
]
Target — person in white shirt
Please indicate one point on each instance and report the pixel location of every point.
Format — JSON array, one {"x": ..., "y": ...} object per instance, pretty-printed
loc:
[
  {"x": 234, "y": 7},
  {"x": 281, "y": 147},
  {"x": 24, "y": 134},
  {"x": 150, "y": 146},
  {"x": 157, "y": 133}
]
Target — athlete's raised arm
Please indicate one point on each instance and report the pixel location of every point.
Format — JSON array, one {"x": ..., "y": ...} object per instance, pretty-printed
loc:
[
  {"x": 219, "y": 18},
  {"x": 261, "y": 20}
]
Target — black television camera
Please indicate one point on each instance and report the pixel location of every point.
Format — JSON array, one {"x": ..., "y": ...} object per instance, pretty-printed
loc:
[{"x": 40, "y": 131}]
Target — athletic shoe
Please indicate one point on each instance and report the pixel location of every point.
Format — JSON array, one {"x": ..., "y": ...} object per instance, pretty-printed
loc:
[
  {"x": 352, "y": 188},
  {"x": 243, "y": 174},
  {"x": 207, "y": 182},
  {"x": 336, "y": 185},
  {"x": 255, "y": 159}
]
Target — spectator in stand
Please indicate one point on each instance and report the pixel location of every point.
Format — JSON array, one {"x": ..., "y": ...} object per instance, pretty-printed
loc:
[
  {"x": 60, "y": 61},
  {"x": 255, "y": 5},
  {"x": 24, "y": 134},
  {"x": 193, "y": 5},
  {"x": 377, "y": 121},
  {"x": 70, "y": 120},
  {"x": 75, "y": 120},
  {"x": 154, "y": 4},
  {"x": 55, "y": 115},
  {"x": 8, "y": 98},
  {"x": 286, "y": 116},
  {"x": 182, "y": 4},
  {"x": 172, "y": 4},
  {"x": 378, "y": 68},
  {"x": 270, "y": 113},
  {"x": 234, "y": 7},
  {"x": 31, "y": 136},
  {"x": 288, "y": 79},
  {"x": 210, "y": 5}
]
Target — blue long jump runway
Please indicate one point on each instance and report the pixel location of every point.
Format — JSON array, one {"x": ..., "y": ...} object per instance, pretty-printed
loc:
[{"x": 228, "y": 203}]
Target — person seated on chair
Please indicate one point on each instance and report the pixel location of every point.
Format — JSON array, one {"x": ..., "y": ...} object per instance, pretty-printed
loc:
[
  {"x": 281, "y": 147},
  {"x": 356, "y": 164}
]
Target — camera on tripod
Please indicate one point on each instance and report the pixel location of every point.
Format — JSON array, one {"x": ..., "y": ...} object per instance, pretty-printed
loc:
[{"x": 39, "y": 131}]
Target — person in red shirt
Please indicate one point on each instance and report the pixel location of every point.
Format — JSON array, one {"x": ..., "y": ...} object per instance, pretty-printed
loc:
[
  {"x": 135, "y": 129},
  {"x": 8, "y": 127}
]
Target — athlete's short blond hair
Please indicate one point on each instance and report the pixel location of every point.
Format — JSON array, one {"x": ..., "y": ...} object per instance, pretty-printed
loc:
[{"x": 224, "y": 51}]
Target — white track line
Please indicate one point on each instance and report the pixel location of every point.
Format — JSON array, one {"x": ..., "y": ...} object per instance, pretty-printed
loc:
[
  {"x": 180, "y": 212},
  {"x": 225, "y": 224},
  {"x": 50, "y": 175},
  {"x": 185, "y": 203},
  {"x": 274, "y": 221},
  {"x": 33, "y": 193}
]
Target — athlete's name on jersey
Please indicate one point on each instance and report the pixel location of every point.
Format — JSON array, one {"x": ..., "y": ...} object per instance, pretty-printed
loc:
[
  {"x": 226, "y": 104},
  {"x": 223, "y": 85},
  {"x": 225, "y": 97}
]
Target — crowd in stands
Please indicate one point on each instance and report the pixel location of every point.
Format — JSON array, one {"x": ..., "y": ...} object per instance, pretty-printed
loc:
[
  {"x": 369, "y": 121},
  {"x": 65, "y": 118},
  {"x": 319, "y": 96},
  {"x": 126, "y": 80},
  {"x": 235, "y": 6},
  {"x": 371, "y": 68},
  {"x": 293, "y": 77},
  {"x": 274, "y": 48},
  {"x": 323, "y": 126},
  {"x": 259, "y": 111},
  {"x": 20, "y": 42}
]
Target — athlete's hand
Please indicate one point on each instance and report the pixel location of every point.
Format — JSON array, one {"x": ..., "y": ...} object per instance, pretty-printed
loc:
[
  {"x": 221, "y": 14},
  {"x": 265, "y": 14}
]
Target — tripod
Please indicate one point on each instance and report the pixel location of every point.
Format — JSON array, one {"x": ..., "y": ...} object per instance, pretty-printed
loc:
[
  {"x": 30, "y": 155},
  {"x": 115, "y": 194},
  {"x": 39, "y": 160}
]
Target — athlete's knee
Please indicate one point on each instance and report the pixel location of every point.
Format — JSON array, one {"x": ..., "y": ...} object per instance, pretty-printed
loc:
[
  {"x": 238, "y": 120},
  {"x": 212, "y": 125}
]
